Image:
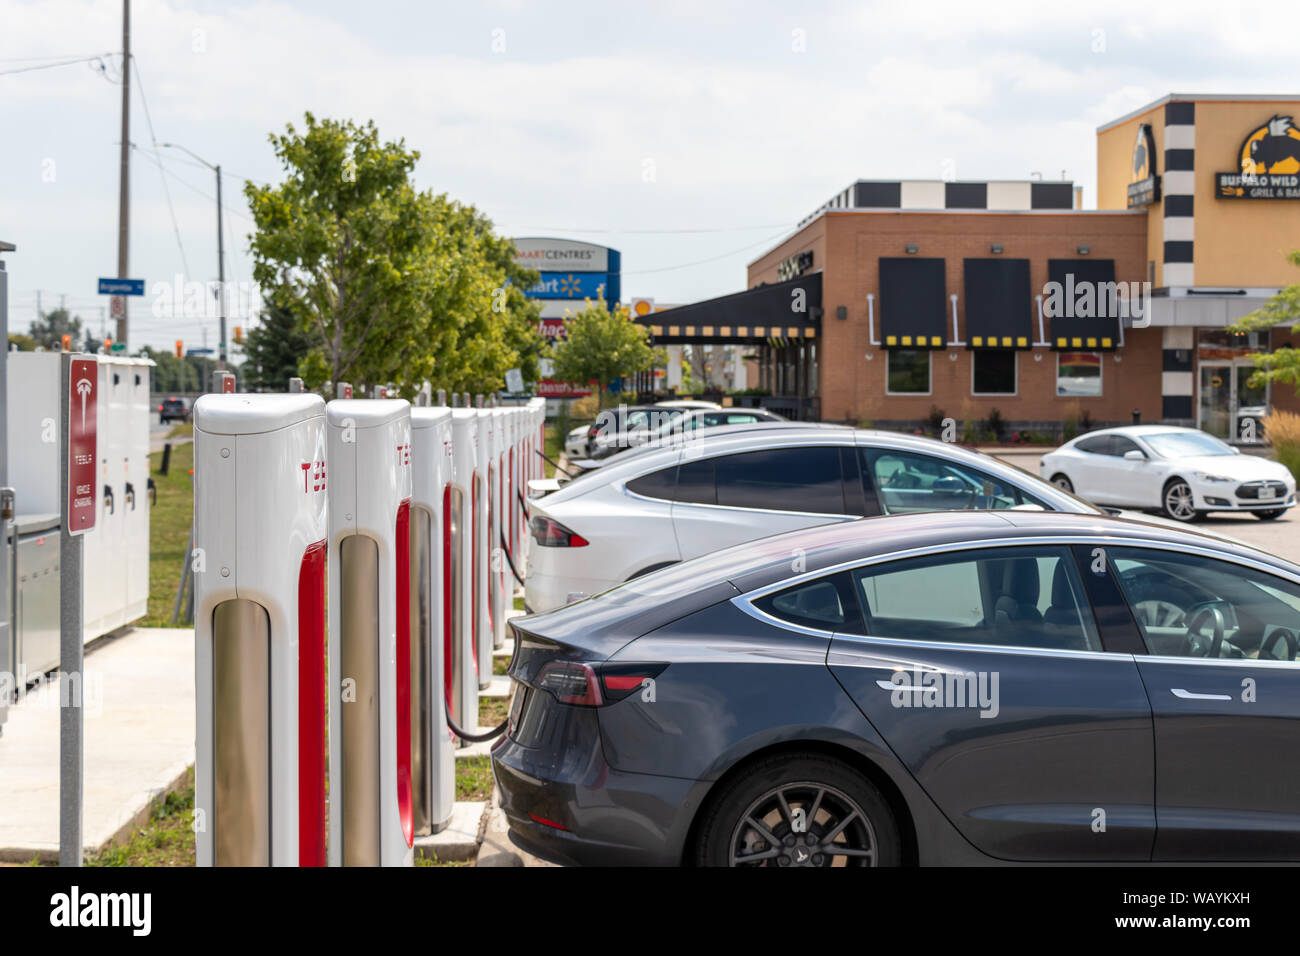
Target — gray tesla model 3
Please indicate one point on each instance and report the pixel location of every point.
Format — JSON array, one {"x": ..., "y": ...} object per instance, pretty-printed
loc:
[{"x": 967, "y": 687}]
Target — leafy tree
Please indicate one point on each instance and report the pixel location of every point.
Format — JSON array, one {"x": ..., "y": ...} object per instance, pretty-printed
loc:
[
  {"x": 274, "y": 350},
  {"x": 25, "y": 343},
  {"x": 49, "y": 329},
  {"x": 604, "y": 344},
  {"x": 1284, "y": 364},
  {"x": 395, "y": 285}
]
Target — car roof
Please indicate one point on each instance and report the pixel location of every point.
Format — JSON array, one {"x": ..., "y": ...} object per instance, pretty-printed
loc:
[
  {"x": 849, "y": 542},
  {"x": 1140, "y": 431},
  {"x": 730, "y": 439}
]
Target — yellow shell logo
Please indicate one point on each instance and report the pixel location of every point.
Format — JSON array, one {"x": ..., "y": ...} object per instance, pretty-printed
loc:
[{"x": 1272, "y": 148}]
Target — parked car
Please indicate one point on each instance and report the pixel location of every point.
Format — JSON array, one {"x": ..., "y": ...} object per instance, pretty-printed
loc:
[
  {"x": 656, "y": 506},
  {"x": 686, "y": 422},
  {"x": 970, "y": 687},
  {"x": 173, "y": 409},
  {"x": 1182, "y": 472},
  {"x": 687, "y": 403},
  {"x": 616, "y": 424}
]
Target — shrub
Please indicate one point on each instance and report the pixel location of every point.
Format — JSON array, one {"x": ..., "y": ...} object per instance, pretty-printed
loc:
[
  {"x": 585, "y": 408},
  {"x": 934, "y": 421},
  {"x": 995, "y": 424},
  {"x": 1283, "y": 430}
]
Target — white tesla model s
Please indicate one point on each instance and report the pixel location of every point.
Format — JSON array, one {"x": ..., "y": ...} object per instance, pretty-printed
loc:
[{"x": 1182, "y": 472}]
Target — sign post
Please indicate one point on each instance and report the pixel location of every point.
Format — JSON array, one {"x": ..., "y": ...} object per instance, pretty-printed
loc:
[{"x": 78, "y": 405}]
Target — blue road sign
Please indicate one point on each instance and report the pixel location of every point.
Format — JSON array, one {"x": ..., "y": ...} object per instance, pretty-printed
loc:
[{"x": 121, "y": 287}]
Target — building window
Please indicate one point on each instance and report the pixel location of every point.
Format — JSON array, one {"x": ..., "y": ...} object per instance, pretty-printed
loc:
[
  {"x": 993, "y": 372},
  {"x": 1078, "y": 374},
  {"x": 909, "y": 372}
]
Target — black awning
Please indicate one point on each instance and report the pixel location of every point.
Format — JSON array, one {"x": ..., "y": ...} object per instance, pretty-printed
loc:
[
  {"x": 913, "y": 303},
  {"x": 1082, "y": 304},
  {"x": 782, "y": 310},
  {"x": 999, "y": 304}
]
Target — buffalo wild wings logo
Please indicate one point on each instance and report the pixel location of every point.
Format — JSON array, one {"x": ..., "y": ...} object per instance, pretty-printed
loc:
[
  {"x": 1269, "y": 164},
  {"x": 1144, "y": 185}
]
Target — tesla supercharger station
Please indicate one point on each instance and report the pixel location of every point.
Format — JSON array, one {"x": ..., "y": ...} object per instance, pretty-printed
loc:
[
  {"x": 481, "y": 572},
  {"x": 432, "y": 757},
  {"x": 490, "y": 441},
  {"x": 368, "y": 447},
  {"x": 501, "y": 580},
  {"x": 259, "y": 629},
  {"x": 463, "y": 550}
]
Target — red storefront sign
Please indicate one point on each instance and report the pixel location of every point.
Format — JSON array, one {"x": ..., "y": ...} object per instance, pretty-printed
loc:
[
  {"x": 549, "y": 388},
  {"x": 82, "y": 425}
]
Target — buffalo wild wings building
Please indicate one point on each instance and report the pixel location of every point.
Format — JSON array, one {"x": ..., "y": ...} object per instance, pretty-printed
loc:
[{"x": 898, "y": 298}]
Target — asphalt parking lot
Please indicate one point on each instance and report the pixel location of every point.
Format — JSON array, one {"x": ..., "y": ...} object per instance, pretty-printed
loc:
[{"x": 1279, "y": 537}]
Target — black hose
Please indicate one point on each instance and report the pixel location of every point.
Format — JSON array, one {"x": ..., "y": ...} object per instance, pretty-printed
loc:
[
  {"x": 557, "y": 467},
  {"x": 505, "y": 549},
  {"x": 496, "y": 731}
]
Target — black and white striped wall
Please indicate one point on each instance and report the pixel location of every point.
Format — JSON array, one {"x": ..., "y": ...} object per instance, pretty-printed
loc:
[{"x": 1177, "y": 188}]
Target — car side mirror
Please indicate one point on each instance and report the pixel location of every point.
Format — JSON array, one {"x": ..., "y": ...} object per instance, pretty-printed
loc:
[
  {"x": 1134, "y": 455},
  {"x": 1235, "y": 450}
]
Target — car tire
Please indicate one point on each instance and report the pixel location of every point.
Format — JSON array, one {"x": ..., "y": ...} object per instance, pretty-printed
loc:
[
  {"x": 1063, "y": 482},
  {"x": 1271, "y": 514},
  {"x": 1176, "y": 501},
  {"x": 756, "y": 794}
]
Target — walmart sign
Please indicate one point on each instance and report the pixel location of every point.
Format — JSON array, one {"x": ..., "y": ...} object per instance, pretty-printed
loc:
[{"x": 570, "y": 270}]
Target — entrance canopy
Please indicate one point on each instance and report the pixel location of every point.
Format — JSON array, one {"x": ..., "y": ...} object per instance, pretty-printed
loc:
[{"x": 783, "y": 310}]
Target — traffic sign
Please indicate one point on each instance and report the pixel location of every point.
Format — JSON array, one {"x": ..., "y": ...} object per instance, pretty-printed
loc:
[
  {"x": 514, "y": 381},
  {"x": 121, "y": 287},
  {"x": 117, "y": 306},
  {"x": 82, "y": 426}
]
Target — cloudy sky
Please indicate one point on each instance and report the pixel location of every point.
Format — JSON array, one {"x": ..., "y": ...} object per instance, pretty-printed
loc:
[{"x": 690, "y": 135}]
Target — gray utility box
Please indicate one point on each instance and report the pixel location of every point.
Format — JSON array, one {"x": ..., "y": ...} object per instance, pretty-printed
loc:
[{"x": 35, "y": 562}]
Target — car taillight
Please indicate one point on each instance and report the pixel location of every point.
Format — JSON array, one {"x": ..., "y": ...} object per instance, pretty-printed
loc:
[
  {"x": 593, "y": 431},
  {"x": 571, "y": 683},
  {"x": 596, "y": 685},
  {"x": 549, "y": 533}
]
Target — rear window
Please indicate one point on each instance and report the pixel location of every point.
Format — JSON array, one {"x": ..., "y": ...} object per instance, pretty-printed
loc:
[{"x": 816, "y": 604}]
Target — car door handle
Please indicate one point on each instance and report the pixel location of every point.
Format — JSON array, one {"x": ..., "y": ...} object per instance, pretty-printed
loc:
[{"x": 1188, "y": 695}]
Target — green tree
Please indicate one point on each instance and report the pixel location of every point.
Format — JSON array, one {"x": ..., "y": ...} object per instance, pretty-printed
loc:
[
  {"x": 49, "y": 328},
  {"x": 603, "y": 345},
  {"x": 396, "y": 285},
  {"x": 25, "y": 343},
  {"x": 274, "y": 349},
  {"x": 1282, "y": 365}
]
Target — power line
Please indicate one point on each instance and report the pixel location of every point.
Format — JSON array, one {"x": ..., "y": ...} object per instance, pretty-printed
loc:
[
  {"x": 50, "y": 66},
  {"x": 700, "y": 262},
  {"x": 139, "y": 83}
]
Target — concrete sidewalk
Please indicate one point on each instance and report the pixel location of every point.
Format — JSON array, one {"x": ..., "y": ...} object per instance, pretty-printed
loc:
[{"x": 139, "y": 740}]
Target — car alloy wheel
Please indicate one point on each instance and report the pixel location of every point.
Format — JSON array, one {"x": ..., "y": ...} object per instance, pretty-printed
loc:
[
  {"x": 800, "y": 811},
  {"x": 1063, "y": 483},
  {"x": 1178, "y": 501}
]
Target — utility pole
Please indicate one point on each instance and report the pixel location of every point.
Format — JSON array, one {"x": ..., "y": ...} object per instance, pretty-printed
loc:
[
  {"x": 221, "y": 255},
  {"x": 124, "y": 182},
  {"x": 221, "y": 279}
]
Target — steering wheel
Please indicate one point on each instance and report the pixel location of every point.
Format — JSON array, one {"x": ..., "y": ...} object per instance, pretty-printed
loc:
[
  {"x": 1195, "y": 638},
  {"x": 903, "y": 479},
  {"x": 1266, "y": 646}
]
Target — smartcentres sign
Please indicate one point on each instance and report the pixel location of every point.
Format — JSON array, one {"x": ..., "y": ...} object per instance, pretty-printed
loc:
[{"x": 571, "y": 270}]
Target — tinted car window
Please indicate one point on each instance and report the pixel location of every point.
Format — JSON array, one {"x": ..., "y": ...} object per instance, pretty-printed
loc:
[
  {"x": 813, "y": 604},
  {"x": 1120, "y": 446},
  {"x": 1016, "y": 597},
  {"x": 695, "y": 482},
  {"x": 657, "y": 484},
  {"x": 1187, "y": 605},
  {"x": 1097, "y": 444},
  {"x": 906, "y": 482},
  {"x": 783, "y": 479}
]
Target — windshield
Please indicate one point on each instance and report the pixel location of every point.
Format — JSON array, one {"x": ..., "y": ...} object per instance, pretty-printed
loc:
[{"x": 1186, "y": 445}]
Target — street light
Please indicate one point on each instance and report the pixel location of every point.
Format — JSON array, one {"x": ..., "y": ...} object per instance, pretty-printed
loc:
[{"x": 221, "y": 253}]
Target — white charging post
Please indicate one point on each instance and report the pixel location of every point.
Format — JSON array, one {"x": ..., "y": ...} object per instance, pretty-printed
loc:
[
  {"x": 432, "y": 757},
  {"x": 259, "y": 629},
  {"x": 464, "y": 552},
  {"x": 369, "y": 449}
]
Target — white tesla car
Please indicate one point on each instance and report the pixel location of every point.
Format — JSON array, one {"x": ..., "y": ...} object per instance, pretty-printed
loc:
[
  {"x": 654, "y": 506},
  {"x": 1182, "y": 472},
  {"x": 686, "y": 423}
]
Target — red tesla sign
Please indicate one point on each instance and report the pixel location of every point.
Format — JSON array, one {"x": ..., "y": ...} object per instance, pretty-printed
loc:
[{"x": 82, "y": 425}]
